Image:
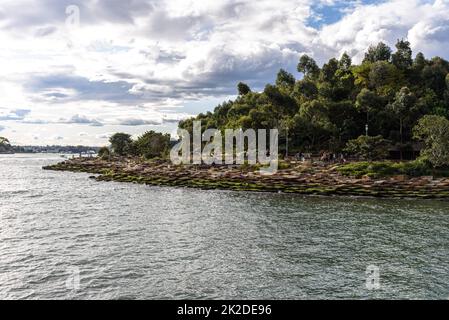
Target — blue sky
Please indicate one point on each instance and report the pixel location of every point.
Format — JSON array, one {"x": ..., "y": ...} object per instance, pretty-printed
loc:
[
  {"x": 76, "y": 71},
  {"x": 332, "y": 12}
]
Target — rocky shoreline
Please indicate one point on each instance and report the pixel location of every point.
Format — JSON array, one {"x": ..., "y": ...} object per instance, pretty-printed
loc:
[{"x": 293, "y": 177}]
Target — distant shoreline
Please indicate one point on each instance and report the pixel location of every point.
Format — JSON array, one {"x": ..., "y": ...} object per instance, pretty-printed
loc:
[{"x": 296, "y": 179}]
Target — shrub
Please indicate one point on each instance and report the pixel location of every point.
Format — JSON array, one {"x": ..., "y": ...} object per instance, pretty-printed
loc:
[
  {"x": 434, "y": 132},
  {"x": 368, "y": 148},
  {"x": 152, "y": 144},
  {"x": 104, "y": 153},
  {"x": 387, "y": 168},
  {"x": 120, "y": 143}
]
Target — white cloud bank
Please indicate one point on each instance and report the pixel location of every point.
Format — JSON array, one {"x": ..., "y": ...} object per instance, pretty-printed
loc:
[{"x": 131, "y": 65}]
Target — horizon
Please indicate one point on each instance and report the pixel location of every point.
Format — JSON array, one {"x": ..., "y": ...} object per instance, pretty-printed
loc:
[{"x": 75, "y": 72}]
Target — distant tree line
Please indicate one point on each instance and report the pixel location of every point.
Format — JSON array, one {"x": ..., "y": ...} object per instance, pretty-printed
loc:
[{"x": 6, "y": 147}]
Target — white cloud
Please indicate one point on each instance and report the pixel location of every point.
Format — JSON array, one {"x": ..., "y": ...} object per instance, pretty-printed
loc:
[
  {"x": 425, "y": 25},
  {"x": 130, "y": 61}
]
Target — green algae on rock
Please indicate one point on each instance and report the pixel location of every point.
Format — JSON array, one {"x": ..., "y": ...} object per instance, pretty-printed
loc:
[{"x": 296, "y": 178}]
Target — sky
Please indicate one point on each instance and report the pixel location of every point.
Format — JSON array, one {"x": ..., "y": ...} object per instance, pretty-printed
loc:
[{"x": 77, "y": 71}]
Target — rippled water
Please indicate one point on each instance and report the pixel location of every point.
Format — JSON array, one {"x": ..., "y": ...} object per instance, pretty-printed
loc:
[{"x": 132, "y": 241}]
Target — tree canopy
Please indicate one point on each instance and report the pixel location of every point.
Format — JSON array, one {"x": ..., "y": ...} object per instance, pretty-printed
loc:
[
  {"x": 120, "y": 143},
  {"x": 152, "y": 144},
  {"x": 434, "y": 131},
  {"x": 325, "y": 107},
  {"x": 5, "y": 146}
]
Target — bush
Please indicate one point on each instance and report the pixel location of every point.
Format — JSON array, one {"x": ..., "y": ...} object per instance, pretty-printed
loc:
[
  {"x": 387, "y": 168},
  {"x": 434, "y": 132},
  {"x": 368, "y": 148},
  {"x": 5, "y": 146},
  {"x": 104, "y": 153},
  {"x": 152, "y": 144},
  {"x": 120, "y": 143}
]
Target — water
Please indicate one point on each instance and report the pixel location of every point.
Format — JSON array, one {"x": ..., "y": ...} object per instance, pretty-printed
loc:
[{"x": 64, "y": 236}]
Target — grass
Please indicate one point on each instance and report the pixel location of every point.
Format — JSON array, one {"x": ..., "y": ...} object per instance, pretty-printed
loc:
[{"x": 380, "y": 169}]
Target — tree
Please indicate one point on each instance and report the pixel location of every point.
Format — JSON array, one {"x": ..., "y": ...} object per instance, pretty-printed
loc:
[
  {"x": 434, "y": 132},
  {"x": 120, "y": 143},
  {"x": 243, "y": 88},
  {"x": 420, "y": 61},
  {"x": 308, "y": 66},
  {"x": 381, "y": 52},
  {"x": 311, "y": 127},
  {"x": 402, "y": 108},
  {"x": 368, "y": 101},
  {"x": 331, "y": 105},
  {"x": 402, "y": 58},
  {"x": 306, "y": 88},
  {"x": 282, "y": 104},
  {"x": 361, "y": 74},
  {"x": 104, "y": 153},
  {"x": 5, "y": 145},
  {"x": 285, "y": 79},
  {"x": 345, "y": 62},
  {"x": 384, "y": 74},
  {"x": 152, "y": 144},
  {"x": 368, "y": 148},
  {"x": 329, "y": 69}
]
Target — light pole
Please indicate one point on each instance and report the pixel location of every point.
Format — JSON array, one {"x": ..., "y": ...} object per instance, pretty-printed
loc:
[
  {"x": 366, "y": 129},
  {"x": 286, "y": 143}
]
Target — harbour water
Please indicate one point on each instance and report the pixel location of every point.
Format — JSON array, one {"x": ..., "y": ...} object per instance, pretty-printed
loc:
[{"x": 64, "y": 236}]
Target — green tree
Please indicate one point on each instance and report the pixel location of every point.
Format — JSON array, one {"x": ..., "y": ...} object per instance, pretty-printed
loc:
[
  {"x": 285, "y": 79},
  {"x": 434, "y": 75},
  {"x": 420, "y": 61},
  {"x": 104, "y": 153},
  {"x": 308, "y": 66},
  {"x": 5, "y": 145},
  {"x": 434, "y": 132},
  {"x": 402, "y": 58},
  {"x": 306, "y": 89},
  {"x": 331, "y": 106},
  {"x": 121, "y": 143},
  {"x": 381, "y": 52},
  {"x": 368, "y": 147},
  {"x": 152, "y": 144},
  {"x": 345, "y": 62},
  {"x": 402, "y": 107},
  {"x": 361, "y": 74},
  {"x": 384, "y": 76},
  {"x": 368, "y": 102},
  {"x": 329, "y": 69},
  {"x": 312, "y": 127},
  {"x": 282, "y": 104},
  {"x": 243, "y": 88}
]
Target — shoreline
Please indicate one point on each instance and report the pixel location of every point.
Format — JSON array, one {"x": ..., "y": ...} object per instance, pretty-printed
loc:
[{"x": 296, "y": 178}]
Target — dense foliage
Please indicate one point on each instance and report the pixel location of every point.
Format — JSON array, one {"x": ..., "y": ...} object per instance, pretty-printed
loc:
[
  {"x": 121, "y": 143},
  {"x": 149, "y": 145},
  {"x": 152, "y": 144},
  {"x": 104, "y": 153},
  {"x": 368, "y": 147},
  {"x": 5, "y": 146},
  {"x": 380, "y": 169},
  {"x": 434, "y": 130},
  {"x": 332, "y": 105}
]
